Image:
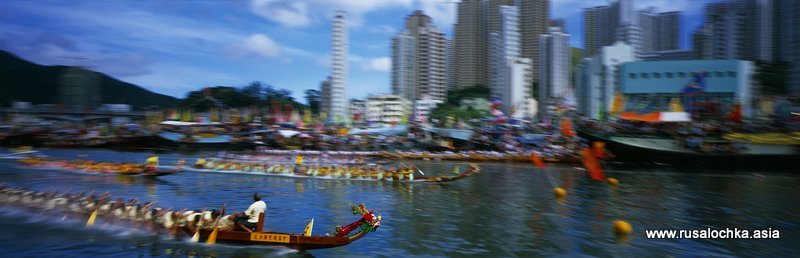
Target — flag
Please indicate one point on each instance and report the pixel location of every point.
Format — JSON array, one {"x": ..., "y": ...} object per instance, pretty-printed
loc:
[
  {"x": 618, "y": 105},
  {"x": 153, "y": 160},
  {"x": 592, "y": 165},
  {"x": 566, "y": 128},
  {"x": 736, "y": 113},
  {"x": 599, "y": 149},
  {"x": 536, "y": 160},
  {"x": 309, "y": 228},
  {"x": 675, "y": 105},
  {"x": 307, "y": 116},
  {"x": 697, "y": 84},
  {"x": 495, "y": 103}
]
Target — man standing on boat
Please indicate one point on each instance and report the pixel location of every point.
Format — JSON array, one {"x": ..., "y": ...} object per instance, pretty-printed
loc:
[{"x": 250, "y": 218}]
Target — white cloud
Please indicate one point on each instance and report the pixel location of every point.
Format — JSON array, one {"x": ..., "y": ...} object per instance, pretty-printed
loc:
[
  {"x": 256, "y": 44},
  {"x": 296, "y": 14},
  {"x": 381, "y": 64},
  {"x": 442, "y": 12},
  {"x": 290, "y": 14}
]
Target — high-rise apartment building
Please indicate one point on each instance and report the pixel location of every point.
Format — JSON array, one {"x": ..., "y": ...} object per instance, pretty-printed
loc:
[
  {"x": 554, "y": 67},
  {"x": 534, "y": 20},
  {"x": 470, "y": 45},
  {"x": 338, "y": 81},
  {"x": 605, "y": 25},
  {"x": 659, "y": 31},
  {"x": 403, "y": 65},
  {"x": 477, "y": 19},
  {"x": 737, "y": 29},
  {"x": 419, "y": 66}
]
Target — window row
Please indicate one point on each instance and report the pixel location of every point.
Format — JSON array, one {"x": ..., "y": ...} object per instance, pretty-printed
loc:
[{"x": 659, "y": 75}]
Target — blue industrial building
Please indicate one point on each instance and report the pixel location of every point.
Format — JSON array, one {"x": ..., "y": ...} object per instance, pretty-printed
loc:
[{"x": 699, "y": 85}]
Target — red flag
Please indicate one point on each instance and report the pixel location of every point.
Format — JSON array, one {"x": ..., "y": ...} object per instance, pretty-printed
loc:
[
  {"x": 736, "y": 113},
  {"x": 566, "y": 128},
  {"x": 599, "y": 149},
  {"x": 592, "y": 165},
  {"x": 536, "y": 160}
]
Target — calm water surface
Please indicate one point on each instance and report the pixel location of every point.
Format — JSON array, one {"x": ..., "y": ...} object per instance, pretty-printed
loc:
[{"x": 506, "y": 211}]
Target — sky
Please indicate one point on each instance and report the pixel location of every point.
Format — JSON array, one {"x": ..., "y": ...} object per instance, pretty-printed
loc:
[{"x": 173, "y": 47}]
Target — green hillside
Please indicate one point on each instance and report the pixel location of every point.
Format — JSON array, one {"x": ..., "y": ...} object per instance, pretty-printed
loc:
[{"x": 21, "y": 80}]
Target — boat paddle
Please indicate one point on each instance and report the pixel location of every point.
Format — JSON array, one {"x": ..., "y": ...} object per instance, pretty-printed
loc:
[
  {"x": 196, "y": 236},
  {"x": 212, "y": 238}
]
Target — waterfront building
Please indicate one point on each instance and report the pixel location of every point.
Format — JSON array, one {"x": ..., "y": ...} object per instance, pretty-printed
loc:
[
  {"x": 596, "y": 79},
  {"x": 387, "y": 108},
  {"x": 423, "y": 108},
  {"x": 649, "y": 86},
  {"x": 357, "y": 110}
]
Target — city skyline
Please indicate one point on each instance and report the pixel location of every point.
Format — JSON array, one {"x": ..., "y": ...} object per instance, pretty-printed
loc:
[{"x": 173, "y": 48}]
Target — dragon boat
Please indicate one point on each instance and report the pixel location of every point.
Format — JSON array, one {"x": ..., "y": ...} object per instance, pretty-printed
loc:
[
  {"x": 370, "y": 172},
  {"x": 198, "y": 225},
  {"x": 342, "y": 235},
  {"x": 106, "y": 168}
]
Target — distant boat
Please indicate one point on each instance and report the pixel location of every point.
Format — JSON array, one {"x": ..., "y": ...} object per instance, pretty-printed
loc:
[
  {"x": 719, "y": 152},
  {"x": 197, "y": 135}
]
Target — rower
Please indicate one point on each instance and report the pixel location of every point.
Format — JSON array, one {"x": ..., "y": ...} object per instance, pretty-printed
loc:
[{"x": 250, "y": 216}]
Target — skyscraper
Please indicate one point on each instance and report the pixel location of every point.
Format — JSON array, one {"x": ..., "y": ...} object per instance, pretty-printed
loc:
[
  {"x": 534, "y": 20},
  {"x": 403, "y": 68},
  {"x": 788, "y": 42},
  {"x": 429, "y": 67},
  {"x": 737, "y": 29},
  {"x": 510, "y": 74},
  {"x": 339, "y": 44},
  {"x": 470, "y": 44},
  {"x": 554, "y": 64},
  {"x": 477, "y": 19},
  {"x": 660, "y": 31},
  {"x": 605, "y": 25}
]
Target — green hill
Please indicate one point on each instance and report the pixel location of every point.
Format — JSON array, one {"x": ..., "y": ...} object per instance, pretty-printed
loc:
[{"x": 21, "y": 80}]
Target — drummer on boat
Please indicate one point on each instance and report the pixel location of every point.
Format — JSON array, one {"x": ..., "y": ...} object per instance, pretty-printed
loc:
[{"x": 250, "y": 218}]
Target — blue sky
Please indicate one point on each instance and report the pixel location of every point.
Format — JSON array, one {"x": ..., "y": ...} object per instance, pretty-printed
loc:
[{"x": 173, "y": 47}]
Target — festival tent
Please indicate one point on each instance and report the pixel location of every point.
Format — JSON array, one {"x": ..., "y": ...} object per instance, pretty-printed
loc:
[{"x": 657, "y": 117}]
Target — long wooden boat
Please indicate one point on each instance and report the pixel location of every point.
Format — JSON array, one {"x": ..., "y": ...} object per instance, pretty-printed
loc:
[
  {"x": 343, "y": 174},
  {"x": 343, "y": 235},
  {"x": 102, "y": 169}
]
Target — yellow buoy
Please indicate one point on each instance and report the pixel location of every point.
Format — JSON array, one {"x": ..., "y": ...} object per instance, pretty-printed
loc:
[
  {"x": 613, "y": 181},
  {"x": 559, "y": 192},
  {"x": 622, "y": 228}
]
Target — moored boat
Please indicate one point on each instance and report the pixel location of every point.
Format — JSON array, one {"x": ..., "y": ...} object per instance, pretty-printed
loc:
[{"x": 716, "y": 153}]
